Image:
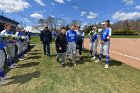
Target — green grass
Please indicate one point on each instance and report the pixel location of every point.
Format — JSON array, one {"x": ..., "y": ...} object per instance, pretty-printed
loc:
[
  {"x": 35, "y": 39},
  {"x": 40, "y": 74}
]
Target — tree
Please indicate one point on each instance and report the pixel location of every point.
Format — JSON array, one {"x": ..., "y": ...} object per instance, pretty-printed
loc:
[{"x": 52, "y": 22}]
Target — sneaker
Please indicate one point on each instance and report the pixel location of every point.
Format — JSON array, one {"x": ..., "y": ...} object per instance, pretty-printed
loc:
[
  {"x": 15, "y": 64},
  {"x": 3, "y": 82},
  {"x": 75, "y": 64},
  {"x": 106, "y": 66},
  {"x": 97, "y": 61},
  {"x": 6, "y": 77},
  {"x": 63, "y": 65},
  {"x": 21, "y": 59},
  {"x": 94, "y": 57},
  {"x": 26, "y": 55},
  {"x": 12, "y": 67}
]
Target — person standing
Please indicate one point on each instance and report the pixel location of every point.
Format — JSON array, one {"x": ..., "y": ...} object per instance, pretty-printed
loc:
[
  {"x": 80, "y": 40},
  {"x": 46, "y": 39},
  {"x": 71, "y": 36},
  {"x": 61, "y": 45},
  {"x": 93, "y": 41},
  {"x": 105, "y": 42},
  {"x": 2, "y": 60},
  {"x": 20, "y": 43},
  {"x": 10, "y": 48}
]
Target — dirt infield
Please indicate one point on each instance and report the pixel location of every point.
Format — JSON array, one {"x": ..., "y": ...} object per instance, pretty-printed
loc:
[{"x": 126, "y": 50}]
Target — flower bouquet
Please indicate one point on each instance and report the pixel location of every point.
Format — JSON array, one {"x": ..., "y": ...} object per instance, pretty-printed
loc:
[{"x": 22, "y": 38}]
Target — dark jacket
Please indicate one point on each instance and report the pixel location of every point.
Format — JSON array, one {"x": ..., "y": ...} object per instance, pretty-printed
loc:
[
  {"x": 46, "y": 36},
  {"x": 61, "y": 41}
]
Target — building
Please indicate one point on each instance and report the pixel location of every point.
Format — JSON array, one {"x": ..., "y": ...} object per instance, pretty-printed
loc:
[{"x": 4, "y": 20}]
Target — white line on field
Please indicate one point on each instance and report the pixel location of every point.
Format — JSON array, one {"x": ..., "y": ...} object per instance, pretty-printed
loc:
[
  {"x": 122, "y": 54},
  {"x": 125, "y": 55}
]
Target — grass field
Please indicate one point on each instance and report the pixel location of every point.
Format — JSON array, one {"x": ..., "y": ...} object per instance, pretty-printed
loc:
[{"x": 41, "y": 74}]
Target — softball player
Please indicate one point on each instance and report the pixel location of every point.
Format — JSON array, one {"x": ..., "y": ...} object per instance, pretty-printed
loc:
[
  {"x": 2, "y": 60},
  {"x": 71, "y": 36},
  {"x": 105, "y": 42},
  {"x": 10, "y": 48},
  {"x": 20, "y": 43},
  {"x": 93, "y": 42}
]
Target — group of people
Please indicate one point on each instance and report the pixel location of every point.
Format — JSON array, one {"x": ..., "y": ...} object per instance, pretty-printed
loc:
[
  {"x": 69, "y": 43},
  {"x": 12, "y": 45}
]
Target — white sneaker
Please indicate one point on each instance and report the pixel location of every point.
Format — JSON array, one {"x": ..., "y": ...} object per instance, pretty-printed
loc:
[
  {"x": 15, "y": 64},
  {"x": 6, "y": 77},
  {"x": 106, "y": 66},
  {"x": 97, "y": 61},
  {"x": 12, "y": 67},
  {"x": 94, "y": 57},
  {"x": 21, "y": 59},
  {"x": 75, "y": 64},
  {"x": 26, "y": 55},
  {"x": 3, "y": 82}
]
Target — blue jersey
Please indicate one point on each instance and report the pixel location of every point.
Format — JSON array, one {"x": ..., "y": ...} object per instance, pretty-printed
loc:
[
  {"x": 71, "y": 36},
  {"x": 21, "y": 34},
  {"x": 2, "y": 45},
  {"x": 95, "y": 37},
  {"x": 105, "y": 33}
]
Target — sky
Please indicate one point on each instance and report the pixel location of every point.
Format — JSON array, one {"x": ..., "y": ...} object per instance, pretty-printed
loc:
[{"x": 88, "y": 11}]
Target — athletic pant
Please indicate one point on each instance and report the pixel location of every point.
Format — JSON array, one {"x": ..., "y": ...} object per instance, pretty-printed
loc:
[
  {"x": 93, "y": 48},
  {"x": 46, "y": 48},
  {"x": 80, "y": 48},
  {"x": 104, "y": 49},
  {"x": 72, "y": 51},
  {"x": 2, "y": 60},
  {"x": 63, "y": 55},
  {"x": 20, "y": 46},
  {"x": 10, "y": 49}
]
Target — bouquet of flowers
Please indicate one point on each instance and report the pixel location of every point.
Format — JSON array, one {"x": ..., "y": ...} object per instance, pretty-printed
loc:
[
  {"x": 5, "y": 37},
  {"x": 22, "y": 38},
  {"x": 12, "y": 38},
  {"x": 100, "y": 30}
]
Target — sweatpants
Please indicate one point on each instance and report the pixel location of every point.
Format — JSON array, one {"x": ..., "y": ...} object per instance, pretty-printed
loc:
[
  {"x": 104, "y": 49},
  {"x": 93, "y": 48},
  {"x": 2, "y": 60},
  {"x": 10, "y": 49},
  {"x": 63, "y": 56},
  {"x": 20, "y": 46},
  {"x": 72, "y": 51}
]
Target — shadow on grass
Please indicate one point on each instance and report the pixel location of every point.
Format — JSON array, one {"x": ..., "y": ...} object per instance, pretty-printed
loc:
[
  {"x": 87, "y": 58},
  {"x": 34, "y": 53},
  {"x": 53, "y": 55},
  {"x": 28, "y": 64},
  {"x": 69, "y": 64},
  {"x": 24, "y": 78},
  {"x": 115, "y": 63},
  {"x": 34, "y": 57},
  {"x": 35, "y": 50}
]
